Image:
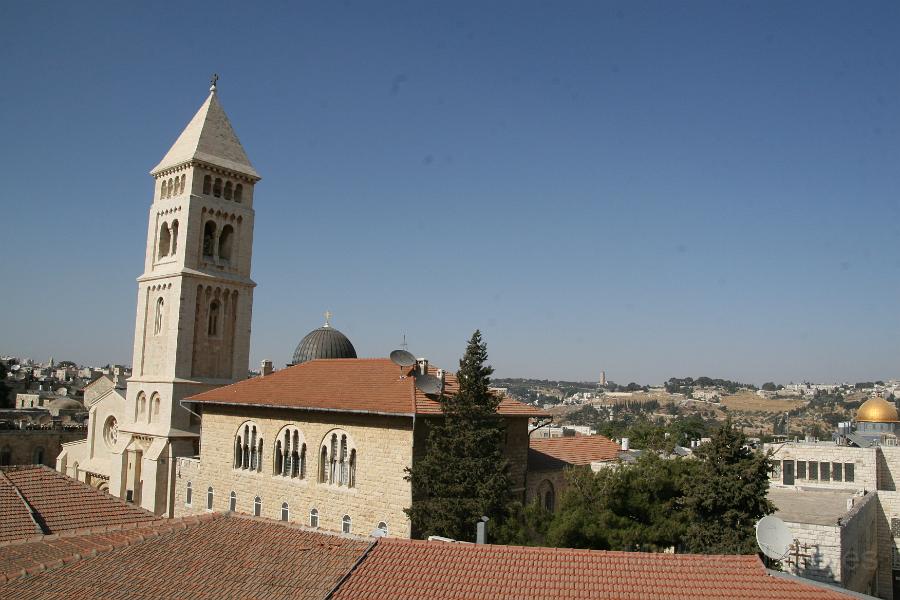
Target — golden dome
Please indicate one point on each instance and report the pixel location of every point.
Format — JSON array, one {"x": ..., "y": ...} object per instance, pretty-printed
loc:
[{"x": 877, "y": 410}]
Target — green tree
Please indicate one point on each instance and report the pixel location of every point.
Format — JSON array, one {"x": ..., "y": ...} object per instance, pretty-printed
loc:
[
  {"x": 728, "y": 495},
  {"x": 629, "y": 507},
  {"x": 769, "y": 386},
  {"x": 462, "y": 474}
]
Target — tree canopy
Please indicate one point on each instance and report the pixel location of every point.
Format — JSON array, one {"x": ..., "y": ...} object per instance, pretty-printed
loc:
[{"x": 462, "y": 474}]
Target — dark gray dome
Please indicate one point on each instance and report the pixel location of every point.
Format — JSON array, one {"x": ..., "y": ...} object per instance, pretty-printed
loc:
[{"x": 324, "y": 342}]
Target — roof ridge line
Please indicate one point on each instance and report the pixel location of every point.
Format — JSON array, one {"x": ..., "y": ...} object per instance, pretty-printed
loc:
[
  {"x": 40, "y": 529},
  {"x": 40, "y": 567},
  {"x": 86, "y": 485}
]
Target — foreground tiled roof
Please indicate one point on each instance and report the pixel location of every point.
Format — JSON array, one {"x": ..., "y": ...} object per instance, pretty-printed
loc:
[
  {"x": 416, "y": 570},
  {"x": 38, "y": 500},
  {"x": 214, "y": 556},
  {"x": 370, "y": 385},
  {"x": 547, "y": 454}
]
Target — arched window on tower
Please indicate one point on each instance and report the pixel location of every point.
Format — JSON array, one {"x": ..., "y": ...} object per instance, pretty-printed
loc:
[
  {"x": 323, "y": 465},
  {"x": 225, "y": 242},
  {"x": 314, "y": 518},
  {"x": 162, "y": 189},
  {"x": 158, "y": 317},
  {"x": 209, "y": 240},
  {"x": 232, "y": 502},
  {"x": 174, "y": 231},
  {"x": 153, "y": 413},
  {"x": 238, "y": 193},
  {"x": 217, "y": 188},
  {"x": 212, "y": 329},
  {"x": 140, "y": 406},
  {"x": 228, "y": 190},
  {"x": 165, "y": 238},
  {"x": 207, "y": 184},
  {"x": 284, "y": 511},
  {"x": 181, "y": 185}
]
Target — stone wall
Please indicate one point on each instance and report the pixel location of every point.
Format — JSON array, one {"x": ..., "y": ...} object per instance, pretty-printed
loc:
[
  {"x": 384, "y": 449},
  {"x": 864, "y": 462},
  {"x": 842, "y": 554},
  {"x": 23, "y": 444}
]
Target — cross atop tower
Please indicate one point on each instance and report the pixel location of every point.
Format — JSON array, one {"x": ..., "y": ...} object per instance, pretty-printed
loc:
[
  {"x": 213, "y": 81},
  {"x": 328, "y": 315}
]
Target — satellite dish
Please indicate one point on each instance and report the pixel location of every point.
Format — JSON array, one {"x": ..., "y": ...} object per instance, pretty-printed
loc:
[
  {"x": 403, "y": 358},
  {"x": 377, "y": 533},
  {"x": 63, "y": 391},
  {"x": 429, "y": 384},
  {"x": 773, "y": 537}
]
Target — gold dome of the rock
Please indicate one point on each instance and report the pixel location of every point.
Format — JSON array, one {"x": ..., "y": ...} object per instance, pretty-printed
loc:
[{"x": 877, "y": 410}]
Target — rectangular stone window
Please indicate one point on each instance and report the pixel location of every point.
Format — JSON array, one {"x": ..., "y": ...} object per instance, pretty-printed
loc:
[
  {"x": 801, "y": 469},
  {"x": 848, "y": 471},
  {"x": 825, "y": 471},
  {"x": 813, "y": 470},
  {"x": 837, "y": 471}
]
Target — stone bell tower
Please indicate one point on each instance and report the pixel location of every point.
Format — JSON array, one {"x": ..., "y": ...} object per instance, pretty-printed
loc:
[{"x": 192, "y": 331}]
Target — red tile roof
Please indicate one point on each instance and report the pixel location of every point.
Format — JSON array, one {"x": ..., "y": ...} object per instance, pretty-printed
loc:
[
  {"x": 369, "y": 385},
  {"x": 413, "y": 570},
  {"x": 546, "y": 454},
  {"x": 35, "y": 500},
  {"x": 214, "y": 556}
]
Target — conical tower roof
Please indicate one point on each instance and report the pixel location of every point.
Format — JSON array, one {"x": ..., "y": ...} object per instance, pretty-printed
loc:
[{"x": 209, "y": 138}]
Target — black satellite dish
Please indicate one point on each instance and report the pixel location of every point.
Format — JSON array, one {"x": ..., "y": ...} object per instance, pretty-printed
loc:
[
  {"x": 429, "y": 384},
  {"x": 403, "y": 358}
]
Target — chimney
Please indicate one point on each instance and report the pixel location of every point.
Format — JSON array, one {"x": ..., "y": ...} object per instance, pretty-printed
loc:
[
  {"x": 625, "y": 444},
  {"x": 481, "y": 531},
  {"x": 265, "y": 368},
  {"x": 423, "y": 365}
]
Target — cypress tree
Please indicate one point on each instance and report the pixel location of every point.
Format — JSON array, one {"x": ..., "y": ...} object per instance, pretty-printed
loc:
[{"x": 462, "y": 474}]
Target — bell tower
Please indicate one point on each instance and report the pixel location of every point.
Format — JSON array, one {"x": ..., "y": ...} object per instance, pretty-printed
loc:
[{"x": 195, "y": 298}]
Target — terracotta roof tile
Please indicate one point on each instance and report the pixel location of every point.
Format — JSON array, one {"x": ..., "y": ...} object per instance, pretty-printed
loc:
[
  {"x": 413, "y": 570},
  {"x": 57, "y": 503},
  {"x": 546, "y": 454},
  {"x": 371, "y": 385},
  {"x": 214, "y": 556}
]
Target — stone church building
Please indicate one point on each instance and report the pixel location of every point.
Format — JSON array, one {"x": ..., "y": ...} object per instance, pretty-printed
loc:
[{"x": 323, "y": 442}]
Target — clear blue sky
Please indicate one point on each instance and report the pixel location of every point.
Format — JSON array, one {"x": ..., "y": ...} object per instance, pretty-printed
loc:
[{"x": 654, "y": 189}]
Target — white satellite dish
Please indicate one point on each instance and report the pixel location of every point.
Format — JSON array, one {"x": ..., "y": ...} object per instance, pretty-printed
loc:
[{"x": 773, "y": 537}]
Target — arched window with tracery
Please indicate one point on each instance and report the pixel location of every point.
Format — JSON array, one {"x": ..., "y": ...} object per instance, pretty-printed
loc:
[
  {"x": 337, "y": 464},
  {"x": 290, "y": 450},
  {"x": 140, "y": 406},
  {"x": 209, "y": 239},
  {"x": 207, "y": 184},
  {"x": 323, "y": 465},
  {"x": 226, "y": 240},
  {"x": 174, "y": 230},
  {"x": 248, "y": 445},
  {"x": 217, "y": 188},
  {"x": 158, "y": 316},
  {"x": 212, "y": 329},
  {"x": 165, "y": 238}
]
